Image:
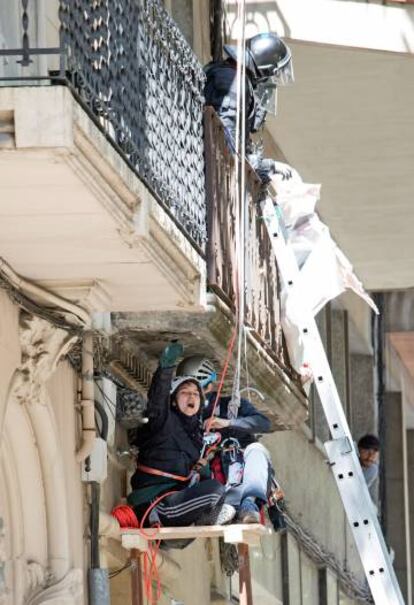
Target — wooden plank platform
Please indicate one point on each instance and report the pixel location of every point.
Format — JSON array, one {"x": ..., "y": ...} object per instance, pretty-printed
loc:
[{"x": 236, "y": 534}]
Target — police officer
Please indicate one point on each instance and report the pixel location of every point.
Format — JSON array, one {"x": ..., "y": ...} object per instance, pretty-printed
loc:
[{"x": 268, "y": 63}]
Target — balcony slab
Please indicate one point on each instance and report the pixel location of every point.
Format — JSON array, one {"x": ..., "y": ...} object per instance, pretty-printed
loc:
[{"x": 76, "y": 218}]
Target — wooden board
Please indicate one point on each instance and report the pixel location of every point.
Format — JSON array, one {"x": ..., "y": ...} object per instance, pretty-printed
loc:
[{"x": 236, "y": 534}]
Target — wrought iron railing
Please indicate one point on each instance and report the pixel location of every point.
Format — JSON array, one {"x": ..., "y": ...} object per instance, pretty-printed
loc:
[
  {"x": 262, "y": 300},
  {"x": 131, "y": 67}
]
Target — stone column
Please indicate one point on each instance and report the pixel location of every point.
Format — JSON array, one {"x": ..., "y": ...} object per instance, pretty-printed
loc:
[
  {"x": 394, "y": 453},
  {"x": 364, "y": 412},
  {"x": 410, "y": 467},
  {"x": 339, "y": 354}
]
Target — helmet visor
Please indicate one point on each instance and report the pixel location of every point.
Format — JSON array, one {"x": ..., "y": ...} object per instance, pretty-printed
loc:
[
  {"x": 266, "y": 95},
  {"x": 284, "y": 75}
]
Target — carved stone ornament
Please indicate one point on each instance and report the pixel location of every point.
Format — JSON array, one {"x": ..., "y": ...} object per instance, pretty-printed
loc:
[
  {"x": 37, "y": 577},
  {"x": 3, "y": 589},
  {"x": 69, "y": 591},
  {"x": 43, "y": 345}
]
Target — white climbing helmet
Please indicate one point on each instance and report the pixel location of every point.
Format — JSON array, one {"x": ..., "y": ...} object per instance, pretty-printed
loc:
[{"x": 198, "y": 367}]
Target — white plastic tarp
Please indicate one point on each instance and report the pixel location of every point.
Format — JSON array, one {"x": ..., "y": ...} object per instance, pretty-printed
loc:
[{"x": 324, "y": 269}]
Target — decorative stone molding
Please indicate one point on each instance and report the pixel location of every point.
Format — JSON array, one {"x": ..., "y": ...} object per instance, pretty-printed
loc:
[
  {"x": 43, "y": 345},
  {"x": 3, "y": 589},
  {"x": 89, "y": 294},
  {"x": 69, "y": 591},
  {"x": 37, "y": 577}
]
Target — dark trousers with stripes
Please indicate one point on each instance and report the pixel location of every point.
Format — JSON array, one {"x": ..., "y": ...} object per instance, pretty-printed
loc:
[{"x": 190, "y": 504}]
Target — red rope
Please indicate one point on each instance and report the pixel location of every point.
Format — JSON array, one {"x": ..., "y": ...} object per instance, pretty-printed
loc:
[
  {"x": 229, "y": 353},
  {"x": 151, "y": 573},
  {"x": 127, "y": 518},
  {"x": 222, "y": 377},
  {"x": 150, "y": 508}
]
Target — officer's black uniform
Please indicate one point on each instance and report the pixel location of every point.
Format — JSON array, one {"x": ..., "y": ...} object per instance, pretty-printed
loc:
[{"x": 266, "y": 57}]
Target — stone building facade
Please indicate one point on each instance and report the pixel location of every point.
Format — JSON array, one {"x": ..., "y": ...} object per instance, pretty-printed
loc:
[{"x": 101, "y": 233}]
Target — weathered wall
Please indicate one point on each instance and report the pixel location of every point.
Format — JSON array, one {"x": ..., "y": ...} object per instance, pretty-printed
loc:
[
  {"x": 311, "y": 493},
  {"x": 390, "y": 27},
  {"x": 192, "y": 586}
]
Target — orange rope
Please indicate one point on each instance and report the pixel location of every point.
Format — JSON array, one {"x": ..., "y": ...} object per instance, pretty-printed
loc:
[
  {"x": 127, "y": 518},
  {"x": 222, "y": 377},
  {"x": 151, "y": 573}
]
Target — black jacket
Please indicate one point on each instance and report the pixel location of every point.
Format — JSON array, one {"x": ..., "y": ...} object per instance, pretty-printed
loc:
[
  {"x": 246, "y": 426},
  {"x": 163, "y": 443},
  {"x": 220, "y": 91}
]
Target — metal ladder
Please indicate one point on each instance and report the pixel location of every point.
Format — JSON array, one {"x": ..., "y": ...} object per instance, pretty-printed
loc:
[{"x": 342, "y": 455}]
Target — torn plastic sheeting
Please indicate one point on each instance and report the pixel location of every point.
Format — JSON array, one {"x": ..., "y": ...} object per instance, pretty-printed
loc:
[{"x": 325, "y": 272}]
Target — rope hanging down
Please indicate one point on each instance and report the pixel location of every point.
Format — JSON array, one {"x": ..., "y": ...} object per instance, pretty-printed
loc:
[
  {"x": 240, "y": 228},
  {"x": 241, "y": 211}
]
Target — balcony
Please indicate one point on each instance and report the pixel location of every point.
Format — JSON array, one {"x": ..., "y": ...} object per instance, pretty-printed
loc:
[
  {"x": 129, "y": 66},
  {"x": 104, "y": 118}
]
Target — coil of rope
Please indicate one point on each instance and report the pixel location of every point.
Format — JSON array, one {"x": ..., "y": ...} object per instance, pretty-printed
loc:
[{"x": 127, "y": 519}]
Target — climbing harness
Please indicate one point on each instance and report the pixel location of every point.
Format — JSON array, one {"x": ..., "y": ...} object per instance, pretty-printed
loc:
[
  {"x": 232, "y": 461},
  {"x": 155, "y": 471},
  {"x": 211, "y": 441}
]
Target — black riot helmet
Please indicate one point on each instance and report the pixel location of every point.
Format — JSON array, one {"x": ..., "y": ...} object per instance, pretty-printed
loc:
[
  {"x": 231, "y": 51},
  {"x": 272, "y": 58}
]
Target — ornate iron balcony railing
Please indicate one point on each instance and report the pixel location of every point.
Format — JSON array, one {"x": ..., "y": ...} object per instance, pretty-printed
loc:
[
  {"x": 130, "y": 66},
  {"x": 262, "y": 288}
]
